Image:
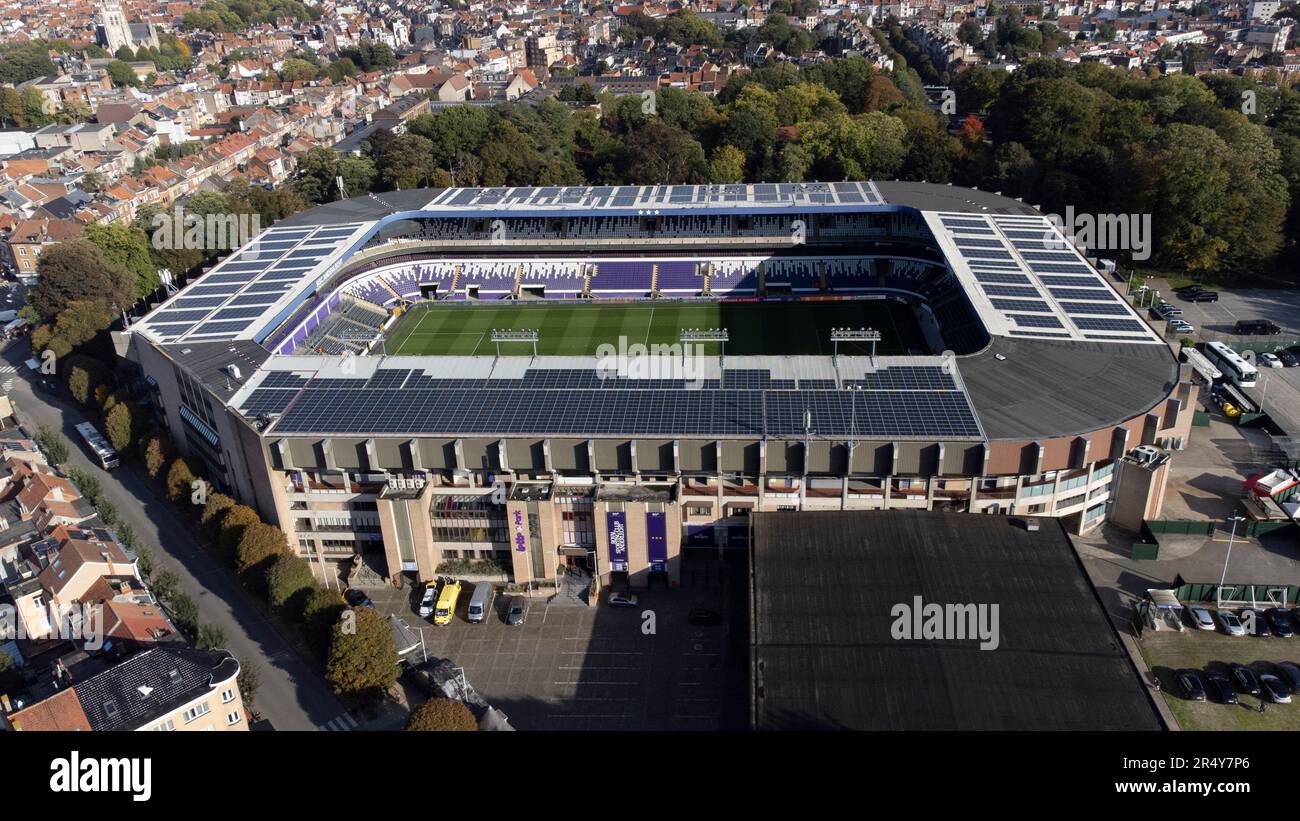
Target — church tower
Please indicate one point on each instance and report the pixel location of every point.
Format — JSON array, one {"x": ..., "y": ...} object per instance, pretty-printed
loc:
[{"x": 114, "y": 32}]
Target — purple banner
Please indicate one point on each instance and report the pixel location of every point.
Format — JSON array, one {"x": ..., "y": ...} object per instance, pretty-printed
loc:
[
  {"x": 521, "y": 544},
  {"x": 656, "y": 527},
  {"x": 617, "y": 524}
]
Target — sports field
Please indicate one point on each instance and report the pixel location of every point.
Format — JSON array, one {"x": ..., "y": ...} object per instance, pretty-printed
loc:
[{"x": 755, "y": 328}]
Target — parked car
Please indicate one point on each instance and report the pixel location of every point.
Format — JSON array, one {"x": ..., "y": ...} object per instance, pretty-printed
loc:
[
  {"x": 358, "y": 598},
  {"x": 1289, "y": 358},
  {"x": 1290, "y": 675},
  {"x": 1247, "y": 681},
  {"x": 1179, "y": 326},
  {"x": 1279, "y": 621},
  {"x": 1190, "y": 684},
  {"x": 517, "y": 611},
  {"x": 1200, "y": 616},
  {"x": 1204, "y": 296},
  {"x": 1255, "y": 622},
  {"x": 1269, "y": 360},
  {"x": 701, "y": 615},
  {"x": 1272, "y": 689},
  {"x": 1220, "y": 687},
  {"x": 428, "y": 600},
  {"x": 622, "y": 600},
  {"x": 1256, "y": 327},
  {"x": 1230, "y": 623}
]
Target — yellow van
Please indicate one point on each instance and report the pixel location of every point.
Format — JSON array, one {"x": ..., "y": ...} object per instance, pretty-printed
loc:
[{"x": 447, "y": 602}]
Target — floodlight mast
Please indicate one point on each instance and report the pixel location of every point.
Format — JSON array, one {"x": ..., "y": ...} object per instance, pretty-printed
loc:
[
  {"x": 839, "y": 335},
  {"x": 718, "y": 335},
  {"x": 500, "y": 335}
]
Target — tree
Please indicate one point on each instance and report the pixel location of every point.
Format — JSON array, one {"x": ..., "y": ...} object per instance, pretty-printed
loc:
[
  {"x": 77, "y": 270},
  {"x": 727, "y": 165},
  {"x": 320, "y": 613},
  {"x": 85, "y": 374},
  {"x": 442, "y": 715},
  {"x": 119, "y": 425},
  {"x": 54, "y": 445},
  {"x": 289, "y": 583},
  {"x": 180, "y": 480},
  {"x": 214, "y": 510},
  {"x": 238, "y": 519},
  {"x": 248, "y": 681},
  {"x": 258, "y": 546},
  {"x": 127, "y": 246},
  {"x": 362, "y": 655},
  {"x": 661, "y": 153},
  {"x": 210, "y": 637},
  {"x": 122, "y": 74},
  {"x": 81, "y": 320},
  {"x": 157, "y": 452},
  {"x": 185, "y": 613}
]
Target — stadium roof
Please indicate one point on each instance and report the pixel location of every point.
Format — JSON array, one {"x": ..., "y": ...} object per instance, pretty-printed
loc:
[
  {"x": 825, "y": 585},
  {"x": 1068, "y": 356}
]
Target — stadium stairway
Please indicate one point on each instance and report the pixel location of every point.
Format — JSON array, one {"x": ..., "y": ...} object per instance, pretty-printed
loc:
[
  {"x": 390, "y": 289},
  {"x": 821, "y": 275},
  {"x": 654, "y": 279},
  {"x": 519, "y": 279},
  {"x": 707, "y": 273},
  {"x": 455, "y": 280},
  {"x": 588, "y": 272}
]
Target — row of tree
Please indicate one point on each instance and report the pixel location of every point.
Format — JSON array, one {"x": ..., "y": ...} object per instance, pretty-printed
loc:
[{"x": 1214, "y": 160}]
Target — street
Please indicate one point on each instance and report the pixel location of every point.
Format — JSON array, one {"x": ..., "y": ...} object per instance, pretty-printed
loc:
[{"x": 291, "y": 695}]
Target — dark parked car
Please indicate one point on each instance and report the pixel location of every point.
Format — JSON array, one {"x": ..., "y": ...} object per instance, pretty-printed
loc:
[
  {"x": 358, "y": 598},
  {"x": 1273, "y": 689},
  {"x": 1202, "y": 296},
  {"x": 1190, "y": 684},
  {"x": 1279, "y": 621},
  {"x": 517, "y": 611},
  {"x": 1220, "y": 687},
  {"x": 1290, "y": 675},
  {"x": 701, "y": 615},
  {"x": 1289, "y": 359},
  {"x": 1256, "y": 622},
  {"x": 1256, "y": 327},
  {"x": 1247, "y": 682}
]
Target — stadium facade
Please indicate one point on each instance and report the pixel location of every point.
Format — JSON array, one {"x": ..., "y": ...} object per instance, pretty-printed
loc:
[{"x": 272, "y": 370}]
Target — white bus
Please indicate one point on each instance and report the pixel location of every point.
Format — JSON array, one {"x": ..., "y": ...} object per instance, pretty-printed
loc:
[
  {"x": 98, "y": 445},
  {"x": 1235, "y": 368},
  {"x": 1201, "y": 365}
]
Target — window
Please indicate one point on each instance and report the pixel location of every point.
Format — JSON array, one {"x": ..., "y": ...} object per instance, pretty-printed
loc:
[
  {"x": 233, "y": 718},
  {"x": 196, "y": 711},
  {"x": 166, "y": 727},
  {"x": 228, "y": 695}
]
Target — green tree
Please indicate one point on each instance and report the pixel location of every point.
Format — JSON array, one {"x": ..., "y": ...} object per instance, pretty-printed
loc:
[
  {"x": 120, "y": 426},
  {"x": 237, "y": 519},
  {"x": 179, "y": 481},
  {"x": 289, "y": 583},
  {"x": 121, "y": 74},
  {"x": 362, "y": 656},
  {"x": 320, "y": 613},
  {"x": 258, "y": 545},
  {"x": 442, "y": 715},
  {"x": 211, "y": 637},
  {"x": 54, "y": 445},
  {"x": 659, "y": 153},
  {"x": 727, "y": 165},
  {"x": 77, "y": 270},
  {"x": 127, "y": 246}
]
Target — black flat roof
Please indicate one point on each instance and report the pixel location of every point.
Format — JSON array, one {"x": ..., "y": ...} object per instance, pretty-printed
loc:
[{"x": 824, "y": 589}]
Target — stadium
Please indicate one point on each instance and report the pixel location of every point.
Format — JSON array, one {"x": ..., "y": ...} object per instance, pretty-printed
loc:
[{"x": 428, "y": 376}]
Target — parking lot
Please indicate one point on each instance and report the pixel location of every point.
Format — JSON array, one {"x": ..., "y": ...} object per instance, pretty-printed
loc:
[
  {"x": 1166, "y": 651},
  {"x": 603, "y": 668}
]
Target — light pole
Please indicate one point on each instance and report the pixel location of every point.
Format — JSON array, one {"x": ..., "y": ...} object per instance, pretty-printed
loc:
[{"x": 1231, "y": 537}]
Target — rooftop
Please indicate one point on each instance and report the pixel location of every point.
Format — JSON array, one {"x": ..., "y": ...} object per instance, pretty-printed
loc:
[{"x": 826, "y": 588}]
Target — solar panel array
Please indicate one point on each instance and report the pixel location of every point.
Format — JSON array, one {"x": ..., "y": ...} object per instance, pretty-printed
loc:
[
  {"x": 898, "y": 401},
  {"x": 232, "y": 299},
  {"x": 655, "y": 198},
  {"x": 1036, "y": 281}
]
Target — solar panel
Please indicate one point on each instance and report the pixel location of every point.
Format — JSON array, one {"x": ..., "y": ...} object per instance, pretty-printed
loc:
[
  {"x": 1088, "y": 324},
  {"x": 1108, "y": 308},
  {"x": 1021, "y": 305},
  {"x": 1011, "y": 290},
  {"x": 1034, "y": 321},
  {"x": 1100, "y": 294}
]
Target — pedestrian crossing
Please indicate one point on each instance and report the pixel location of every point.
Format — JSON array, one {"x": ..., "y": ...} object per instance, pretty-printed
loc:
[
  {"x": 7, "y": 375},
  {"x": 341, "y": 724}
]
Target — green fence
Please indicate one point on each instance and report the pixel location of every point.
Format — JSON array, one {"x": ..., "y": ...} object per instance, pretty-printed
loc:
[
  {"x": 1180, "y": 527},
  {"x": 1206, "y": 591},
  {"x": 1146, "y": 550},
  {"x": 1201, "y": 419}
]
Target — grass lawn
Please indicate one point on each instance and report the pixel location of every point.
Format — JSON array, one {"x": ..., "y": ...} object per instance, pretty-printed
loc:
[
  {"x": 755, "y": 328},
  {"x": 1166, "y": 651}
]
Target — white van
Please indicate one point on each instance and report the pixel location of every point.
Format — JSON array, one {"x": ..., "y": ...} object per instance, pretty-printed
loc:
[{"x": 481, "y": 603}]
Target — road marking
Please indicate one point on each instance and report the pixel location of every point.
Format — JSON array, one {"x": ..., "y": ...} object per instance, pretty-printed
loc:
[{"x": 342, "y": 723}]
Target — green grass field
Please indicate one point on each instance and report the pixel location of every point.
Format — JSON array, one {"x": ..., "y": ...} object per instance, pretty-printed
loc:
[{"x": 755, "y": 328}]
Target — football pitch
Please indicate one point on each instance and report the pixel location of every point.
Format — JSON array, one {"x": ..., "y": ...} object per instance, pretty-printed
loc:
[{"x": 754, "y": 328}]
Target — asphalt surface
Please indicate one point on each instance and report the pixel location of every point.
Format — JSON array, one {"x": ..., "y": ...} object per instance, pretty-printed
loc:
[{"x": 291, "y": 695}]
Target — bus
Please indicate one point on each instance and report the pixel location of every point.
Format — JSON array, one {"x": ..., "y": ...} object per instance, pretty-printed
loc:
[
  {"x": 447, "y": 602},
  {"x": 1203, "y": 366},
  {"x": 98, "y": 445},
  {"x": 1234, "y": 367}
]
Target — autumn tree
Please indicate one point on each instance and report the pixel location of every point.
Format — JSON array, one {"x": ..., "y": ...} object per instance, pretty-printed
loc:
[
  {"x": 362, "y": 656},
  {"x": 442, "y": 715}
]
